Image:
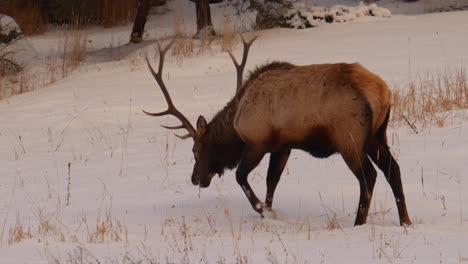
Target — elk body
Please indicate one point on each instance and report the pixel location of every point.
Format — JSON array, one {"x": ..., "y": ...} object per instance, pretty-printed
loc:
[{"x": 322, "y": 109}]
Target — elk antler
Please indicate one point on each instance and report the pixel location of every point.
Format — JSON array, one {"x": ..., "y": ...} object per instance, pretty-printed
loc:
[
  {"x": 240, "y": 68},
  {"x": 171, "y": 110}
]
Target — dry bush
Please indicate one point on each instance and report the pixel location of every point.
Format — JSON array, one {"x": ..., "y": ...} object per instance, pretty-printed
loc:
[
  {"x": 428, "y": 100},
  {"x": 15, "y": 84},
  {"x": 27, "y": 14}
]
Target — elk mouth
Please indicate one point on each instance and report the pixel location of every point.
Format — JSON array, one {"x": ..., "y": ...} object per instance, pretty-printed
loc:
[{"x": 204, "y": 182}]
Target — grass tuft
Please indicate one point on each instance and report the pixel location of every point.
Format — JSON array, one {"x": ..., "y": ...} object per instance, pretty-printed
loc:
[{"x": 431, "y": 99}]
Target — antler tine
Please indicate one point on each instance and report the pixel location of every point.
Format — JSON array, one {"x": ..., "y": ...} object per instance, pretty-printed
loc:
[
  {"x": 184, "y": 137},
  {"x": 173, "y": 127},
  {"x": 162, "y": 53},
  {"x": 240, "y": 67},
  {"x": 234, "y": 60},
  {"x": 171, "y": 110}
]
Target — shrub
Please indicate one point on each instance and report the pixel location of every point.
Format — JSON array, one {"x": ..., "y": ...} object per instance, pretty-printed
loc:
[{"x": 9, "y": 34}]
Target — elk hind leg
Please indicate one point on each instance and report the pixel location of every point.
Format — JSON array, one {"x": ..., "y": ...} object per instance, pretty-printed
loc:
[
  {"x": 362, "y": 168},
  {"x": 249, "y": 160},
  {"x": 278, "y": 161},
  {"x": 381, "y": 156}
]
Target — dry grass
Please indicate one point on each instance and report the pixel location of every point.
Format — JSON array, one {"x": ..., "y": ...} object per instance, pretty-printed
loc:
[
  {"x": 52, "y": 70},
  {"x": 32, "y": 15},
  {"x": 431, "y": 99},
  {"x": 206, "y": 43},
  {"x": 18, "y": 232},
  {"x": 48, "y": 224},
  {"x": 73, "y": 49},
  {"x": 137, "y": 60},
  {"x": 106, "y": 229},
  {"x": 228, "y": 40},
  {"x": 184, "y": 47},
  {"x": 15, "y": 84}
]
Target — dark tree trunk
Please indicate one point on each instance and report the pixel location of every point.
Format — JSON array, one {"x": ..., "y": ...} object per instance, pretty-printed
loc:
[
  {"x": 202, "y": 8},
  {"x": 140, "y": 21}
]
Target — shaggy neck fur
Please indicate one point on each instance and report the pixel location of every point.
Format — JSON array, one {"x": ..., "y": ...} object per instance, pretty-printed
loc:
[{"x": 221, "y": 137}]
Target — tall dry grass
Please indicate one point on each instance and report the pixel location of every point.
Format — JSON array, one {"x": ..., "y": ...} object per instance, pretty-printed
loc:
[
  {"x": 430, "y": 99},
  {"x": 32, "y": 15},
  {"x": 18, "y": 232},
  {"x": 184, "y": 47},
  {"x": 228, "y": 40},
  {"x": 73, "y": 48}
]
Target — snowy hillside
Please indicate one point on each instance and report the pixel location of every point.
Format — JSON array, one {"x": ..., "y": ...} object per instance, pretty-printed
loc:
[{"x": 86, "y": 177}]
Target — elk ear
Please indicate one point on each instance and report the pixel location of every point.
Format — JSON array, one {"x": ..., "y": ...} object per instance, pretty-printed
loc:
[{"x": 201, "y": 125}]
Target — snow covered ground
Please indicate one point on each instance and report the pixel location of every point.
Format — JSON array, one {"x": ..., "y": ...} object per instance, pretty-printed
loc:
[{"x": 86, "y": 176}]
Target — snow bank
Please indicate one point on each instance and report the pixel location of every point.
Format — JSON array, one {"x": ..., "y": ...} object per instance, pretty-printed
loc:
[
  {"x": 17, "y": 49},
  {"x": 302, "y": 16}
]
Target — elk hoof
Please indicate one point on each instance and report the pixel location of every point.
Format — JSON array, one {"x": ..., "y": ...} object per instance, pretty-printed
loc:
[
  {"x": 406, "y": 224},
  {"x": 259, "y": 208}
]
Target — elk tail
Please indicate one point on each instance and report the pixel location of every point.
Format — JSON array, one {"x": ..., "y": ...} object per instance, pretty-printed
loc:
[{"x": 381, "y": 133}]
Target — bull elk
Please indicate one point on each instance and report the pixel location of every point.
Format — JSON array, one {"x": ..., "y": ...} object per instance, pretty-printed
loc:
[{"x": 321, "y": 109}]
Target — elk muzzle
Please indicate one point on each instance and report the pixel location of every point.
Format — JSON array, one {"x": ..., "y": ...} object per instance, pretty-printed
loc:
[
  {"x": 201, "y": 179},
  {"x": 206, "y": 180}
]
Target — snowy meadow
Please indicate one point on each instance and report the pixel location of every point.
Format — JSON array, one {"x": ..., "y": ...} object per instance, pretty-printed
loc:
[{"x": 86, "y": 177}]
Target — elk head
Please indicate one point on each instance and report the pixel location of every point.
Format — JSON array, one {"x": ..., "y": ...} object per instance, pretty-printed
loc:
[{"x": 207, "y": 160}]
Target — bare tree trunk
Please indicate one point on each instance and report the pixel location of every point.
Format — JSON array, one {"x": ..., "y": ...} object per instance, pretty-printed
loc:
[
  {"x": 140, "y": 21},
  {"x": 202, "y": 8}
]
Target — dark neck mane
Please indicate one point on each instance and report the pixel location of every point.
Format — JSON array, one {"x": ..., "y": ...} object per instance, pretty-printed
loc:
[{"x": 223, "y": 138}]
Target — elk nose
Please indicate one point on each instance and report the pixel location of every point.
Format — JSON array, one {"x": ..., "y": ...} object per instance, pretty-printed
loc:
[
  {"x": 195, "y": 180},
  {"x": 204, "y": 184}
]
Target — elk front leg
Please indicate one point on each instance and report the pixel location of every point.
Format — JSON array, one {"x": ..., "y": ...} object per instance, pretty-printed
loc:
[
  {"x": 278, "y": 161},
  {"x": 248, "y": 162}
]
